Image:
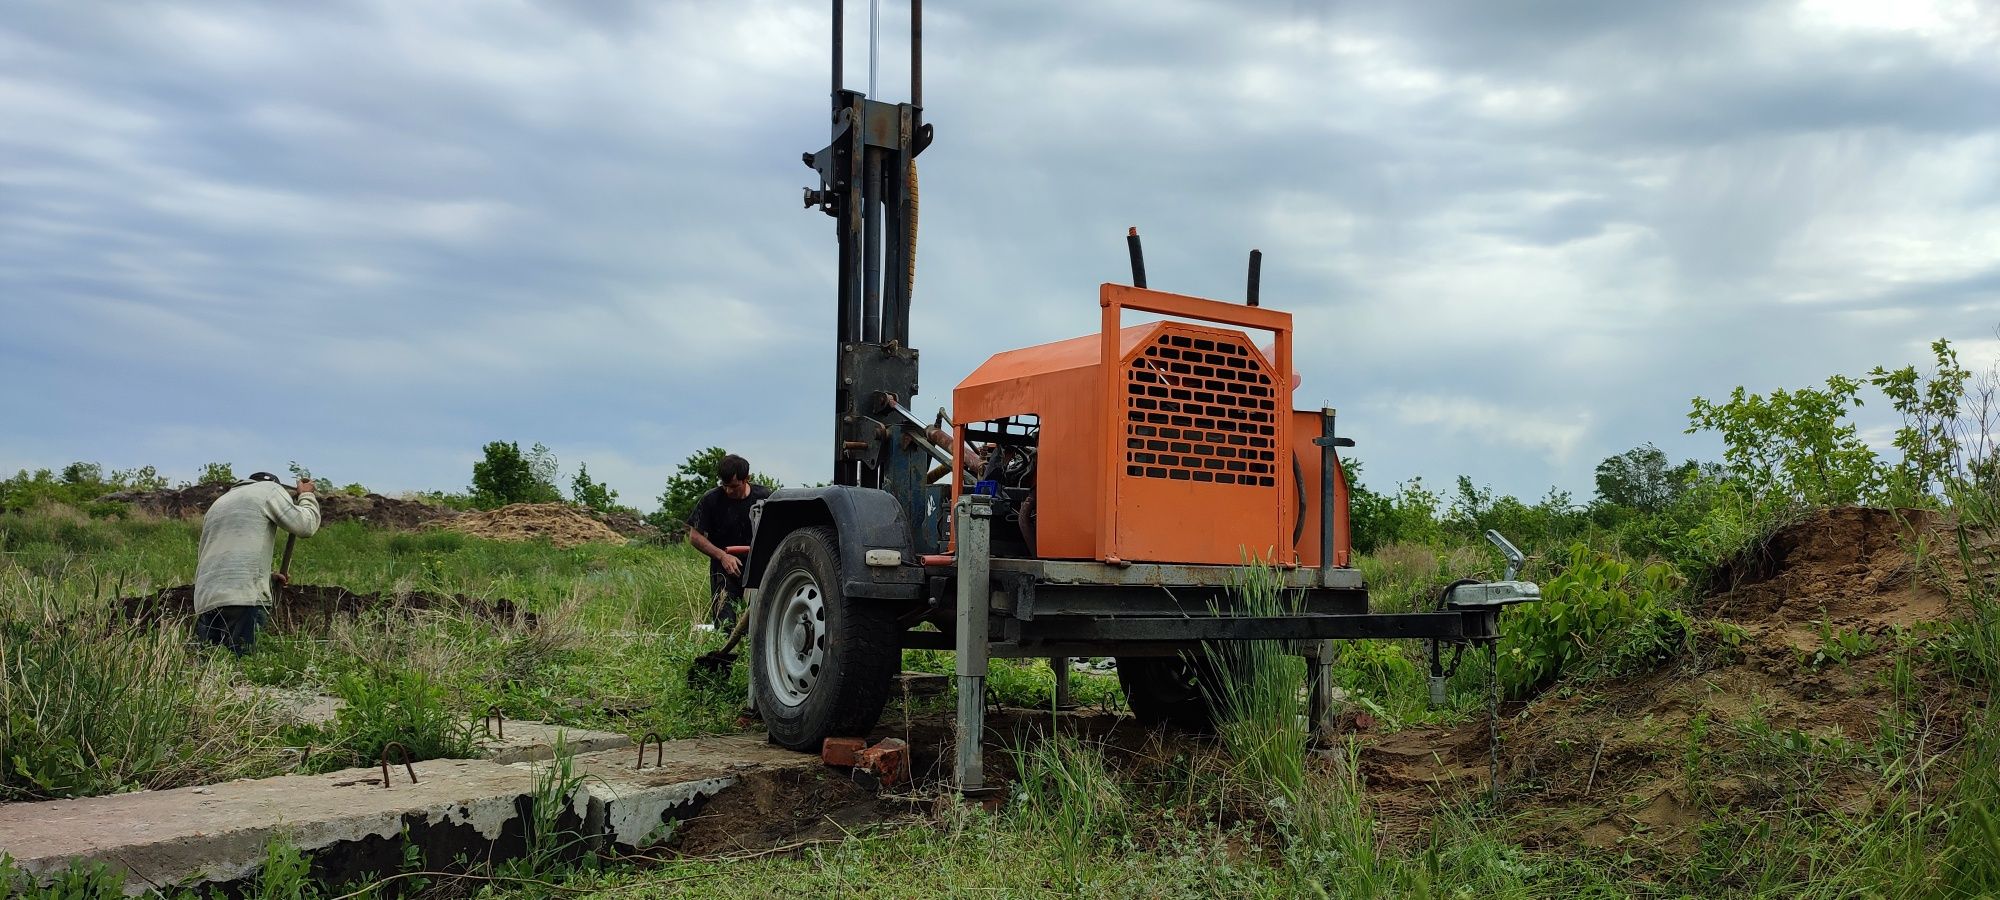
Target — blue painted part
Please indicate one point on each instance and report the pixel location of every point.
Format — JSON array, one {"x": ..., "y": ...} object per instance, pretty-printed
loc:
[{"x": 987, "y": 487}]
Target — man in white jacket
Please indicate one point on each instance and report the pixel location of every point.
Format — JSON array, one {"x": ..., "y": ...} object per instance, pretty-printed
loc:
[{"x": 232, "y": 578}]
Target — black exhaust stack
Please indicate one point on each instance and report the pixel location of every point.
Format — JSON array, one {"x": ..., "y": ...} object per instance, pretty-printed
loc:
[
  {"x": 1138, "y": 257},
  {"x": 1256, "y": 275}
]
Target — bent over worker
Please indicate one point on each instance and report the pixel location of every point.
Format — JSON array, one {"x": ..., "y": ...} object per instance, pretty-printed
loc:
[
  {"x": 232, "y": 578},
  {"x": 722, "y": 520}
]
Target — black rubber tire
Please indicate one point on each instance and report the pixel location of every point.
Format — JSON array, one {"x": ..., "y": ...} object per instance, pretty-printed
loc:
[
  {"x": 862, "y": 650},
  {"x": 1171, "y": 691}
]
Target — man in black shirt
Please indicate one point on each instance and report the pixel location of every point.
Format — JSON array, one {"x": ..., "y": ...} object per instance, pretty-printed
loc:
[{"x": 720, "y": 521}]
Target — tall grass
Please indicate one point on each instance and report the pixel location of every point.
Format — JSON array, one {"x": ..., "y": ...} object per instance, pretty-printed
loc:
[
  {"x": 91, "y": 704},
  {"x": 1319, "y": 811},
  {"x": 1970, "y": 854},
  {"x": 1065, "y": 790},
  {"x": 1255, "y": 694}
]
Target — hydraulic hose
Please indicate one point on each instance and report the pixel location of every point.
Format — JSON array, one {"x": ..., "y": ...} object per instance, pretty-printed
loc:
[{"x": 910, "y": 277}]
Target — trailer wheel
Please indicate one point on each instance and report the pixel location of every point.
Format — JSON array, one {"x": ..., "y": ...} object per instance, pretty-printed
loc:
[
  {"x": 822, "y": 662},
  {"x": 1171, "y": 690}
]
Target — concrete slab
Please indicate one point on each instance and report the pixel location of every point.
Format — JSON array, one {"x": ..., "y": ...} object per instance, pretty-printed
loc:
[
  {"x": 349, "y": 824},
  {"x": 631, "y": 803},
  {"x": 517, "y": 741},
  {"x": 219, "y": 833},
  {"x": 528, "y": 741}
]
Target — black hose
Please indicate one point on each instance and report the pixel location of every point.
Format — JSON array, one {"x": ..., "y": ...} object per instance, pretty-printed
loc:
[{"x": 1298, "y": 474}]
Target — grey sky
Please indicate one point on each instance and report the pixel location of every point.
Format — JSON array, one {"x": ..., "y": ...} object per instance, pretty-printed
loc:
[{"x": 1518, "y": 237}]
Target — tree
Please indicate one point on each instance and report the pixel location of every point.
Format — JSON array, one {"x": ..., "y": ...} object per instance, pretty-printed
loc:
[
  {"x": 691, "y": 480},
  {"x": 1639, "y": 478},
  {"x": 543, "y": 467},
  {"x": 505, "y": 476},
  {"x": 1930, "y": 410},
  {"x": 1794, "y": 445},
  {"x": 217, "y": 473},
  {"x": 83, "y": 473},
  {"x": 596, "y": 495}
]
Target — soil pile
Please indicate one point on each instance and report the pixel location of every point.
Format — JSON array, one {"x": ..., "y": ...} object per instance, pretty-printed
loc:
[
  {"x": 1788, "y": 684},
  {"x": 405, "y": 514},
  {"x": 303, "y": 605},
  {"x": 375, "y": 509},
  {"x": 627, "y": 524},
  {"x": 559, "y": 523}
]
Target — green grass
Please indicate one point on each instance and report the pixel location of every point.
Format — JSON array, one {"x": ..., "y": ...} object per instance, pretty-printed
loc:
[{"x": 93, "y": 704}]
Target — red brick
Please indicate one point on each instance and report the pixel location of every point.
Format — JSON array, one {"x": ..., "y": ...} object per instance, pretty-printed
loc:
[
  {"x": 888, "y": 760},
  {"x": 841, "y": 751}
]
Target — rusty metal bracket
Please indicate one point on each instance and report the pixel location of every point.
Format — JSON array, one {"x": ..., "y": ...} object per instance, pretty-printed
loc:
[
  {"x": 494, "y": 723},
  {"x": 407, "y": 767},
  {"x": 659, "y": 751}
]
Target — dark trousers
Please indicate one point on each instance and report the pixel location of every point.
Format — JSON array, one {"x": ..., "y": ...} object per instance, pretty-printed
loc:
[
  {"x": 234, "y": 627},
  {"x": 726, "y": 600}
]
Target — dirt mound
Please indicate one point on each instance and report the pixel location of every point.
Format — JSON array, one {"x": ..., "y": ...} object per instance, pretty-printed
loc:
[
  {"x": 1789, "y": 686},
  {"x": 559, "y": 523},
  {"x": 1852, "y": 566},
  {"x": 627, "y": 524},
  {"x": 305, "y": 605},
  {"x": 405, "y": 514},
  {"x": 792, "y": 808},
  {"x": 375, "y": 509}
]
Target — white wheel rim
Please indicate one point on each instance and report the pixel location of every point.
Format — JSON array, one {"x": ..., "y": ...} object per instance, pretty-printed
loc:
[{"x": 795, "y": 638}]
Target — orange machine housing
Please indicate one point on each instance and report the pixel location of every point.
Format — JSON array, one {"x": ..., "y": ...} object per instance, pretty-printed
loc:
[{"x": 1183, "y": 448}]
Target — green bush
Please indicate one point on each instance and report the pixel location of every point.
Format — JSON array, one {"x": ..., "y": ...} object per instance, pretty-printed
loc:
[
  {"x": 77, "y": 881},
  {"x": 79, "y": 484},
  {"x": 590, "y": 494},
  {"x": 1377, "y": 520},
  {"x": 1598, "y": 611}
]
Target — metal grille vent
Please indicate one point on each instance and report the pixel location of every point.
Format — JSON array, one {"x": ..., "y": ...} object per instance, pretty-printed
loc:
[{"x": 1200, "y": 409}]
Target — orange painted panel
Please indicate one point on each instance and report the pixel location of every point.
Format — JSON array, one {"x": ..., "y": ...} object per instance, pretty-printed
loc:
[
  {"x": 1165, "y": 441},
  {"x": 1305, "y": 427},
  {"x": 1199, "y": 450}
]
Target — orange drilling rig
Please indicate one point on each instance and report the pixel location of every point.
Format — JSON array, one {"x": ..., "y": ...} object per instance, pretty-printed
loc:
[{"x": 1096, "y": 496}]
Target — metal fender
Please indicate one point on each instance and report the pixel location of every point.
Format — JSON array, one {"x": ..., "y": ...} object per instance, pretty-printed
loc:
[{"x": 866, "y": 520}]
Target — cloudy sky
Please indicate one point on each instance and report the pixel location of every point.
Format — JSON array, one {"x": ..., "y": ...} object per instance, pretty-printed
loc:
[{"x": 1518, "y": 237}]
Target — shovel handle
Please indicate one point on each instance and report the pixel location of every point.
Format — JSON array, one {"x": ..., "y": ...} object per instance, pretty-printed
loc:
[{"x": 285, "y": 565}]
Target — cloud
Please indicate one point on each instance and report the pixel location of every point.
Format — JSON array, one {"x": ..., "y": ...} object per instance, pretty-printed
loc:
[
  {"x": 1516, "y": 238},
  {"x": 1477, "y": 424}
]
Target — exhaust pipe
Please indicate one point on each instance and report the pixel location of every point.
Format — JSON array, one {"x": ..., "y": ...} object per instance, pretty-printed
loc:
[{"x": 1138, "y": 257}]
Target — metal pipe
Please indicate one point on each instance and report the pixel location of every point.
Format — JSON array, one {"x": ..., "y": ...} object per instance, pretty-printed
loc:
[
  {"x": 871, "y": 246},
  {"x": 972, "y": 529},
  {"x": 1138, "y": 257},
  {"x": 838, "y": 50},
  {"x": 874, "y": 36},
  {"x": 1256, "y": 274},
  {"x": 1327, "y": 463},
  {"x": 918, "y": 431},
  {"x": 917, "y": 53}
]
